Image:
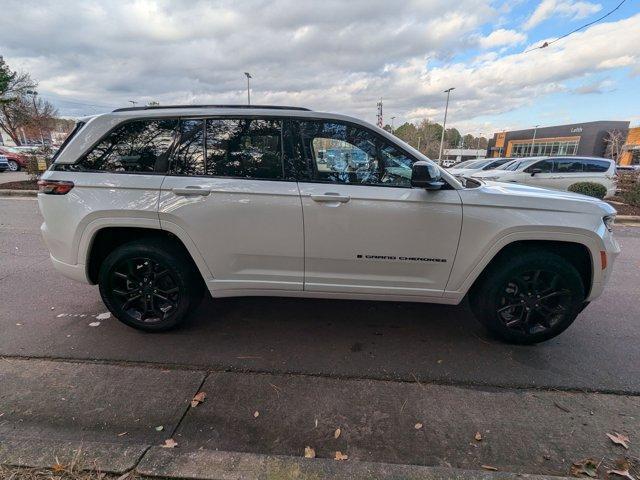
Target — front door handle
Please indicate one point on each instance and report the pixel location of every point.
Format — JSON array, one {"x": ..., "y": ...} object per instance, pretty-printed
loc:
[
  {"x": 331, "y": 197},
  {"x": 191, "y": 190}
]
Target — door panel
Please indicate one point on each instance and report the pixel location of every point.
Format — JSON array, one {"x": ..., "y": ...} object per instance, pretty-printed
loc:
[
  {"x": 226, "y": 191},
  {"x": 248, "y": 231},
  {"x": 382, "y": 240}
]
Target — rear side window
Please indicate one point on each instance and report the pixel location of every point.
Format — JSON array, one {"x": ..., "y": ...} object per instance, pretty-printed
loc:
[
  {"x": 222, "y": 147},
  {"x": 594, "y": 166},
  {"x": 132, "y": 147},
  {"x": 545, "y": 166}
]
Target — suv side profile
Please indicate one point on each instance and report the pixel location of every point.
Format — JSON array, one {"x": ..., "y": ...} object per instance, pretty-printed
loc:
[{"x": 158, "y": 204}]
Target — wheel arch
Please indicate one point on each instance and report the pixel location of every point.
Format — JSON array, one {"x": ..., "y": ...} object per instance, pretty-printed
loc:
[
  {"x": 107, "y": 238},
  {"x": 577, "y": 253}
]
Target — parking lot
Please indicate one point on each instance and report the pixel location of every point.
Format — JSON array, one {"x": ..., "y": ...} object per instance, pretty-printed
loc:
[{"x": 344, "y": 359}]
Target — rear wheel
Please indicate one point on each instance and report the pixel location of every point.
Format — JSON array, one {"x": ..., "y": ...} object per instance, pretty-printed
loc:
[
  {"x": 13, "y": 166},
  {"x": 530, "y": 298},
  {"x": 151, "y": 285}
]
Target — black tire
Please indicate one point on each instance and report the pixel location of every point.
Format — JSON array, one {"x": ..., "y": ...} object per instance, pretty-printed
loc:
[
  {"x": 527, "y": 298},
  {"x": 14, "y": 166},
  {"x": 151, "y": 285}
]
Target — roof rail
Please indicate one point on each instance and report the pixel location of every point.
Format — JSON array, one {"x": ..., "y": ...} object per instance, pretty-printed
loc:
[{"x": 162, "y": 107}]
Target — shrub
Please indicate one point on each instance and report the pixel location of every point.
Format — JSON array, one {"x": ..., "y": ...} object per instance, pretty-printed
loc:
[
  {"x": 591, "y": 189},
  {"x": 629, "y": 187}
]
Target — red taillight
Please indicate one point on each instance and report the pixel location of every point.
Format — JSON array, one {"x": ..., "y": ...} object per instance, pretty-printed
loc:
[{"x": 54, "y": 187}]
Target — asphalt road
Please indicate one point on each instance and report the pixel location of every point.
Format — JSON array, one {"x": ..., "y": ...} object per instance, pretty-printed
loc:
[{"x": 43, "y": 314}]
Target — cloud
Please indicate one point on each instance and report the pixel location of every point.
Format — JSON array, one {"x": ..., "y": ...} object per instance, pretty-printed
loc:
[
  {"x": 563, "y": 8},
  {"x": 328, "y": 55},
  {"x": 501, "y": 37},
  {"x": 597, "y": 87}
]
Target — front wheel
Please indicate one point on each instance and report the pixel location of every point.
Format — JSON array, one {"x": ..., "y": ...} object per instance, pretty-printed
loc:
[
  {"x": 149, "y": 285},
  {"x": 14, "y": 166},
  {"x": 529, "y": 298}
]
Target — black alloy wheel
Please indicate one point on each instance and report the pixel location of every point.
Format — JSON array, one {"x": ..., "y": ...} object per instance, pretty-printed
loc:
[
  {"x": 527, "y": 297},
  {"x": 534, "y": 302},
  {"x": 145, "y": 289},
  {"x": 151, "y": 285}
]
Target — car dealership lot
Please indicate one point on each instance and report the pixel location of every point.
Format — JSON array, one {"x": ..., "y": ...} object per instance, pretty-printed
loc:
[{"x": 328, "y": 348}]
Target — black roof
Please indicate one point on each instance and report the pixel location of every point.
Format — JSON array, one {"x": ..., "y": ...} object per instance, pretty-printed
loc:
[{"x": 162, "y": 107}]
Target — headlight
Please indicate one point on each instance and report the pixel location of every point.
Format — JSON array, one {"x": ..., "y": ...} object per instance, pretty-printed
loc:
[{"x": 608, "y": 221}]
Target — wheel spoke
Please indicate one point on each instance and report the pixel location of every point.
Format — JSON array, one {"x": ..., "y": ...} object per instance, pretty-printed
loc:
[
  {"x": 554, "y": 294},
  {"x": 507, "y": 307},
  {"x": 128, "y": 303}
]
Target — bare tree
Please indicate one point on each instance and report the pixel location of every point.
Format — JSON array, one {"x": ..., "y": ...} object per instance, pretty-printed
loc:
[{"x": 614, "y": 140}]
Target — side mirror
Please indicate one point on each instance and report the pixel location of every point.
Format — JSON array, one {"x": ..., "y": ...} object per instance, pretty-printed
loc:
[
  {"x": 533, "y": 171},
  {"x": 426, "y": 175}
]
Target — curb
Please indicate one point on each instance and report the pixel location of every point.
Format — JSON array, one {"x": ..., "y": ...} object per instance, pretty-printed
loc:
[
  {"x": 220, "y": 465},
  {"x": 159, "y": 462},
  {"x": 18, "y": 193},
  {"x": 630, "y": 219}
]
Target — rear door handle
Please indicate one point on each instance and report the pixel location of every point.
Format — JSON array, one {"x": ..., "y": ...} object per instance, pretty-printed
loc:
[
  {"x": 191, "y": 190},
  {"x": 331, "y": 197}
]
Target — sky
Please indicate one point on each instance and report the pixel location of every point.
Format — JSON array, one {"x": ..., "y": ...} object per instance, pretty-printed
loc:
[{"x": 339, "y": 56}]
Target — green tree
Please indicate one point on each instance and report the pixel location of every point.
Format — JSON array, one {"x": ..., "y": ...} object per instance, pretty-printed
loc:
[{"x": 16, "y": 109}]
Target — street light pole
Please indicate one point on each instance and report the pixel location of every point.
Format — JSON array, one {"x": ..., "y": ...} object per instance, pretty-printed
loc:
[
  {"x": 248, "y": 75},
  {"x": 392, "y": 128},
  {"x": 444, "y": 124},
  {"x": 533, "y": 140},
  {"x": 478, "y": 147}
]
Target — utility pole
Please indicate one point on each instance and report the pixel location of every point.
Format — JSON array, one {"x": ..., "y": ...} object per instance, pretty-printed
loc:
[
  {"x": 34, "y": 94},
  {"x": 379, "y": 121},
  {"x": 478, "y": 147},
  {"x": 444, "y": 124},
  {"x": 248, "y": 75},
  {"x": 392, "y": 128},
  {"x": 533, "y": 140}
]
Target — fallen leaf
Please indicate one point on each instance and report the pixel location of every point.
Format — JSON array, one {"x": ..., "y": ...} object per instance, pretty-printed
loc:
[
  {"x": 316, "y": 423},
  {"x": 198, "y": 398},
  {"x": 103, "y": 316},
  {"x": 562, "y": 407},
  {"x": 417, "y": 426},
  {"x": 170, "y": 443},
  {"x": 621, "y": 473},
  {"x": 587, "y": 466},
  {"x": 478, "y": 436},
  {"x": 336, "y": 434},
  {"x": 122, "y": 434},
  {"x": 256, "y": 414},
  {"x": 340, "y": 456},
  {"x": 489, "y": 467},
  {"x": 94, "y": 324},
  {"x": 159, "y": 428},
  {"x": 309, "y": 452},
  {"x": 58, "y": 467},
  {"x": 619, "y": 439}
]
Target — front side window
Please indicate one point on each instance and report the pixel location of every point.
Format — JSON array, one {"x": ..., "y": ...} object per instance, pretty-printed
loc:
[
  {"x": 136, "y": 146},
  {"x": 344, "y": 153}
]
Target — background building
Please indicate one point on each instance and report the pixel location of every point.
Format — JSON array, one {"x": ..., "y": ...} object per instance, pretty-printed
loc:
[
  {"x": 631, "y": 149},
  {"x": 586, "y": 139}
]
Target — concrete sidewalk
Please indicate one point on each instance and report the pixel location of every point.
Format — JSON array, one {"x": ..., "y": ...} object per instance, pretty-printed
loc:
[{"x": 115, "y": 417}]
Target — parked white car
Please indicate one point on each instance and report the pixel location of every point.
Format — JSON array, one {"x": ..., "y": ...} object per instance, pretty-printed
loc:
[
  {"x": 468, "y": 167},
  {"x": 155, "y": 204},
  {"x": 557, "y": 173}
]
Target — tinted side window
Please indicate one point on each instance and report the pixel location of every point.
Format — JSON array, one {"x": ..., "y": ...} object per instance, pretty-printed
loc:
[
  {"x": 568, "y": 165},
  {"x": 344, "y": 153},
  {"x": 244, "y": 148},
  {"x": 188, "y": 158},
  {"x": 133, "y": 147},
  {"x": 545, "y": 166},
  {"x": 595, "y": 165}
]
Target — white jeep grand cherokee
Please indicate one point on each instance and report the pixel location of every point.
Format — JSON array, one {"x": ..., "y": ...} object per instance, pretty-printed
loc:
[{"x": 155, "y": 204}]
